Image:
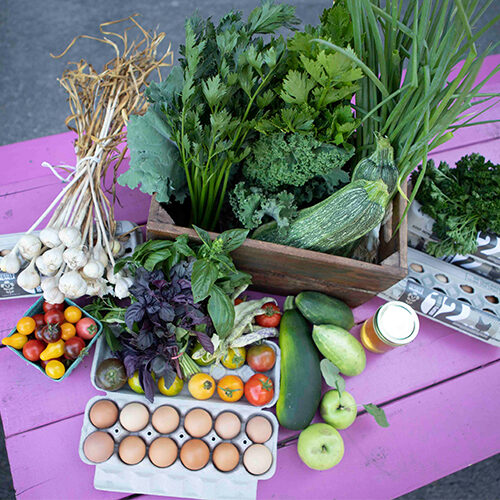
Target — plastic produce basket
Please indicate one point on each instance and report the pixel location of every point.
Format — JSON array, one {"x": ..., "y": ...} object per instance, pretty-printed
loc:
[{"x": 37, "y": 308}]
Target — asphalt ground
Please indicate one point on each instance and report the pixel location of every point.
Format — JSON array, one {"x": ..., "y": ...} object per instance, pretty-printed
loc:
[{"x": 32, "y": 104}]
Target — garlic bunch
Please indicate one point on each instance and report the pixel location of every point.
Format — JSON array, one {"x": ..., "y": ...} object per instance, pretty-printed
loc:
[
  {"x": 75, "y": 257},
  {"x": 96, "y": 287}
]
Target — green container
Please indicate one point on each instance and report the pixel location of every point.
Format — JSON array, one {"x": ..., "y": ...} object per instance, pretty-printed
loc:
[{"x": 37, "y": 308}]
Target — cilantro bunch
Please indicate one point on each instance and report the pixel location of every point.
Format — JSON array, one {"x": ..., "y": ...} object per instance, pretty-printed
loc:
[{"x": 462, "y": 200}]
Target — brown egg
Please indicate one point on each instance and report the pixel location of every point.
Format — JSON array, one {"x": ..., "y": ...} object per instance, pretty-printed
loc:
[
  {"x": 163, "y": 452},
  {"x": 257, "y": 459},
  {"x": 98, "y": 446},
  {"x": 259, "y": 429},
  {"x": 134, "y": 417},
  {"x": 198, "y": 422},
  {"x": 194, "y": 454},
  {"x": 165, "y": 419},
  {"x": 226, "y": 457},
  {"x": 103, "y": 414},
  {"x": 132, "y": 450},
  {"x": 227, "y": 425}
]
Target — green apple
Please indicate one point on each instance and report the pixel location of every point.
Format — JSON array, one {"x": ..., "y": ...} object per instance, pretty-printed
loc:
[
  {"x": 338, "y": 412},
  {"x": 320, "y": 446}
]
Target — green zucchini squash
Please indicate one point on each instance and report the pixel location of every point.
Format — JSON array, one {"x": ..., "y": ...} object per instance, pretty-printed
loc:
[
  {"x": 300, "y": 382},
  {"x": 320, "y": 309},
  {"x": 379, "y": 165},
  {"x": 345, "y": 216}
]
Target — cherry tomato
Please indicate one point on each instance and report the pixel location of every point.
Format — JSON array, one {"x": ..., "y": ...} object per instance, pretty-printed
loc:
[
  {"x": 67, "y": 331},
  {"x": 26, "y": 325},
  {"x": 47, "y": 306},
  {"x": 38, "y": 333},
  {"x": 261, "y": 358},
  {"x": 234, "y": 358},
  {"x": 230, "y": 388},
  {"x": 86, "y": 328},
  {"x": 50, "y": 333},
  {"x": 73, "y": 347},
  {"x": 201, "y": 386},
  {"x": 39, "y": 319},
  {"x": 55, "y": 369},
  {"x": 72, "y": 314},
  {"x": 238, "y": 301},
  {"x": 54, "y": 316},
  {"x": 271, "y": 316},
  {"x": 44, "y": 363},
  {"x": 259, "y": 389},
  {"x": 32, "y": 349}
]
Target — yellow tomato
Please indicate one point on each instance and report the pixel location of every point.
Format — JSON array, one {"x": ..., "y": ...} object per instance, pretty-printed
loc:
[
  {"x": 53, "y": 350},
  {"x": 72, "y": 314},
  {"x": 201, "y": 386},
  {"x": 174, "y": 389},
  {"x": 68, "y": 330},
  {"x": 16, "y": 340},
  {"x": 230, "y": 388},
  {"x": 54, "y": 369},
  {"x": 26, "y": 325},
  {"x": 134, "y": 383},
  {"x": 234, "y": 358}
]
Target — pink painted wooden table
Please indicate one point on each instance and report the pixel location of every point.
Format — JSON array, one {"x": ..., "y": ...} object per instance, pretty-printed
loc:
[{"x": 441, "y": 393}]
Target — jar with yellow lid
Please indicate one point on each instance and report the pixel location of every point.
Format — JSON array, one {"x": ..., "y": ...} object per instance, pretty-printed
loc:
[{"x": 393, "y": 325}]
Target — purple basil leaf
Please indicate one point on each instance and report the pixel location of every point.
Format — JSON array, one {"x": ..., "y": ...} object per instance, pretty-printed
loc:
[
  {"x": 147, "y": 382},
  {"x": 166, "y": 312},
  {"x": 205, "y": 342},
  {"x": 168, "y": 376},
  {"x": 145, "y": 340},
  {"x": 158, "y": 365},
  {"x": 134, "y": 313},
  {"x": 130, "y": 362}
]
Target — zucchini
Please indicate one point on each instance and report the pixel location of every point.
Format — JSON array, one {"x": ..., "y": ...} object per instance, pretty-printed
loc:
[
  {"x": 345, "y": 216},
  {"x": 320, "y": 309},
  {"x": 380, "y": 165},
  {"x": 341, "y": 348},
  {"x": 300, "y": 384}
]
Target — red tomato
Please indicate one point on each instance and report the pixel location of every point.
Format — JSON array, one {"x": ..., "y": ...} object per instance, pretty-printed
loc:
[
  {"x": 54, "y": 316},
  {"x": 259, "y": 389},
  {"x": 86, "y": 328},
  {"x": 261, "y": 358},
  {"x": 38, "y": 333},
  {"x": 73, "y": 347},
  {"x": 47, "y": 306},
  {"x": 271, "y": 316},
  {"x": 32, "y": 349},
  {"x": 39, "y": 319},
  {"x": 50, "y": 333}
]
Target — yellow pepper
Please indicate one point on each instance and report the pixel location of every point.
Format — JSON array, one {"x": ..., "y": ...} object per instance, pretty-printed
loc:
[
  {"x": 16, "y": 340},
  {"x": 53, "y": 350},
  {"x": 55, "y": 369}
]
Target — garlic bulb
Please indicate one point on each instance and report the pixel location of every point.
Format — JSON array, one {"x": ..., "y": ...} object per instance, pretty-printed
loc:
[
  {"x": 42, "y": 267},
  {"x": 11, "y": 263},
  {"x": 75, "y": 257},
  {"x": 29, "y": 246},
  {"x": 72, "y": 285},
  {"x": 96, "y": 287},
  {"x": 70, "y": 236},
  {"x": 121, "y": 288},
  {"x": 50, "y": 237},
  {"x": 93, "y": 269},
  {"x": 53, "y": 258},
  {"x": 53, "y": 295},
  {"x": 50, "y": 282},
  {"x": 29, "y": 278},
  {"x": 100, "y": 255},
  {"x": 111, "y": 276},
  {"x": 116, "y": 248}
]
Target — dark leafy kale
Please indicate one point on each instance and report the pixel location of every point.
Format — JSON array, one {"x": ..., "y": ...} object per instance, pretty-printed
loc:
[{"x": 462, "y": 200}]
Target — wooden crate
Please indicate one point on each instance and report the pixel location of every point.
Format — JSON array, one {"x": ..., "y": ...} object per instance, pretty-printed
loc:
[{"x": 286, "y": 270}]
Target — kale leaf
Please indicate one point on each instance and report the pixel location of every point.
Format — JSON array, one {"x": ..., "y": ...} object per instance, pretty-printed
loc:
[{"x": 462, "y": 201}]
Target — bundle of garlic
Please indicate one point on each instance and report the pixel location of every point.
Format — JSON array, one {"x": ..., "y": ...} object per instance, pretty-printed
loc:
[{"x": 75, "y": 254}]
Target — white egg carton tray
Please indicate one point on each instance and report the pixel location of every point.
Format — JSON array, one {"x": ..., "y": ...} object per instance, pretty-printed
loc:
[
  {"x": 450, "y": 295},
  {"x": 176, "y": 480},
  {"x": 9, "y": 289}
]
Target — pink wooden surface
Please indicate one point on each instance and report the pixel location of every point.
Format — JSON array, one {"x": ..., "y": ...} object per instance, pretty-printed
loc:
[{"x": 440, "y": 393}]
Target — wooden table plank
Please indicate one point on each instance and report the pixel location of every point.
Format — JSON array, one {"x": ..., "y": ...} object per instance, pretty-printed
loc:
[{"x": 378, "y": 463}]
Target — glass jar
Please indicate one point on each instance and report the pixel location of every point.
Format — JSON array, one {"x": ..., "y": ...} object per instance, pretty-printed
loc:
[{"x": 393, "y": 325}]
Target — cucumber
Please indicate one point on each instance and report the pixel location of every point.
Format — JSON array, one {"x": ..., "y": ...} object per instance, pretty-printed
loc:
[
  {"x": 300, "y": 385},
  {"x": 341, "y": 348},
  {"x": 320, "y": 309}
]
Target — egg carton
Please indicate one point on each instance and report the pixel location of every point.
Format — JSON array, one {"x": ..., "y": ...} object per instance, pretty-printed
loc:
[
  {"x": 485, "y": 261},
  {"x": 176, "y": 480},
  {"x": 450, "y": 295},
  {"x": 9, "y": 289}
]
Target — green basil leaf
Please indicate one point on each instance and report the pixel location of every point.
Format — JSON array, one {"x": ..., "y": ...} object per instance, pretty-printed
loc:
[
  {"x": 221, "y": 310},
  {"x": 233, "y": 238},
  {"x": 156, "y": 258},
  {"x": 202, "y": 279},
  {"x": 113, "y": 343},
  {"x": 204, "y": 236},
  {"x": 181, "y": 244},
  {"x": 377, "y": 413}
]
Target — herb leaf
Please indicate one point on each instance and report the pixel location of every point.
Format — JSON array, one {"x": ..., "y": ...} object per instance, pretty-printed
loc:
[
  {"x": 221, "y": 310},
  {"x": 203, "y": 277},
  {"x": 377, "y": 413}
]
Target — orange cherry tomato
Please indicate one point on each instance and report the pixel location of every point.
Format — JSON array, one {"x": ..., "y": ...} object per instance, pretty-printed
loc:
[
  {"x": 54, "y": 369},
  {"x": 72, "y": 314},
  {"x": 68, "y": 330},
  {"x": 26, "y": 325},
  {"x": 230, "y": 388}
]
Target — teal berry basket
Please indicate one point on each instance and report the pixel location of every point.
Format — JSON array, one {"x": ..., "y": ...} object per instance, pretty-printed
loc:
[{"x": 37, "y": 308}]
